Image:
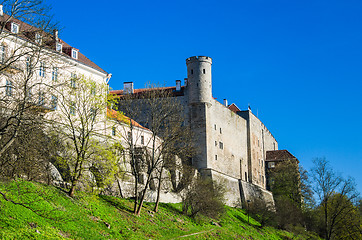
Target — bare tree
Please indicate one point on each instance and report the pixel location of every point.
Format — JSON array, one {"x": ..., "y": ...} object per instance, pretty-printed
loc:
[
  {"x": 161, "y": 113},
  {"x": 335, "y": 195},
  {"x": 25, "y": 43}
]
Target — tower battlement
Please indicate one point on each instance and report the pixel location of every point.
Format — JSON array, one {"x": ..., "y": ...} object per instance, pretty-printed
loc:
[{"x": 199, "y": 59}]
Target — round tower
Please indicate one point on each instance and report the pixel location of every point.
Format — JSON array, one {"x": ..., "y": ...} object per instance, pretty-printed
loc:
[{"x": 199, "y": 79}]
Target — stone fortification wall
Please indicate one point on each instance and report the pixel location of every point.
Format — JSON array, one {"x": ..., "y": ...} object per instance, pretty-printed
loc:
[
  {"x": 226, "y": 141},
  {"x": 259, "y": 140}
]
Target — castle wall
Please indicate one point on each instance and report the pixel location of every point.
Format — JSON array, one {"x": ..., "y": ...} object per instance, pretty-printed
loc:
[
  {"x": 259, "y": 140},
  {"x": 226, "y": 141}
]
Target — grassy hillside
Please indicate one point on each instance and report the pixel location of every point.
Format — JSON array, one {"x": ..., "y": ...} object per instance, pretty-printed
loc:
[{"x": 54, "y": 215}]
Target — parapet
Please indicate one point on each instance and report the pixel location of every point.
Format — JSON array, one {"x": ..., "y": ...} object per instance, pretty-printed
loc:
[{"x": 198, "y": 59}]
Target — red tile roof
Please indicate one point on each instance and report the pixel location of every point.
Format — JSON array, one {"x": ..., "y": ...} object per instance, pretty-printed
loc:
[
  {"x": 113, "y": 114},
  {"x": 27, "y": 32},
  {"x": 140, "y": 91},
  {"x": 279, "y": 155},
  {"x": 234, "y": 108}
]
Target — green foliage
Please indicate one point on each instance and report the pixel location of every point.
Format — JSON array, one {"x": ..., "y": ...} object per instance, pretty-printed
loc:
[
  {"x": 87, "y": 216},
  {"x": 204, "y": 197}
]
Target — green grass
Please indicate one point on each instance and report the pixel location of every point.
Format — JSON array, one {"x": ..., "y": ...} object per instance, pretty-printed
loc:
[{"x": 56, "y": 216}]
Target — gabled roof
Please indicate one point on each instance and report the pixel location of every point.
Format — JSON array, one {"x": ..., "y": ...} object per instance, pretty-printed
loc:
[
  {"x": 27, "y": 32},
  {"x": 234, "y": 108},
  {"x": 279, "y": 155}
]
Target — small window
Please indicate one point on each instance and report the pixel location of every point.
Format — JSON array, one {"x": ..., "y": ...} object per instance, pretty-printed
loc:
[
  {"x": 73, "y": 79},
  {"x": 221, "y": 145},
  {"x": 93, "y": 90},
  {"x": 55, "y": 74},
  {"x": 142, "y": 140},
  {"x": 113, "y": 131},
  {"x": 271, "y": 165},
  {"x": 246, "y": 177},
  {"x": 192, "y": 71},
  {"x": 203, "y": 71},
  {"x": 14, "y": 28},
  {"x": 2, "y": 53},
  {"x": 92, "y": 114},
  {"x": 54, "y": 103},
  {"x": 129, "y": 136},
  {"x": 74, "y": 53},
  {"x": 38, "y": 38},
  {"x": 215, "y": 143},
  {"x": 42, "y": 69},
  {"x": 72, "y": 108},
  {"x": 9, "y": 88},
  {"x": 220, "y": 131},
  {"x": 59, "y": 47},
  {"x": 28, "y": 64},
  {"x": 258, "y": 143},
  {"x": 41, "y": 99},
  {"x": 215, "y": 157},
  {"x": 215, "y": 126}
]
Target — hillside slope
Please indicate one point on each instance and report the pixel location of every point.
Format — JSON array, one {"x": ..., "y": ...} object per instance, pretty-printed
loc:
[{"x": 48, "y": 213}]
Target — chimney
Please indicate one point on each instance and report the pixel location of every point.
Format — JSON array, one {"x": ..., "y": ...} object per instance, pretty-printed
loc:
[
  {"x": 185, "y": 79},
  {"x": 128, "y": 87},
  {"x": 178, "y": 85},
  {"x": 225, "y": 102},
  {"x": 55, "y": 35},
  {"x": 1, "y": 11}
]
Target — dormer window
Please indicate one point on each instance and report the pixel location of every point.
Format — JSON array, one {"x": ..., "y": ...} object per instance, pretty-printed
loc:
[
  {"x": 14, "y": 28},
  {"x": 59, "y": 47},
  {"x": 38, "y": 38},
  {"x": 74, "y": 53}
]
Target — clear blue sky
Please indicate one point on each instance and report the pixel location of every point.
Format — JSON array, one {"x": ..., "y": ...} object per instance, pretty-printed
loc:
[{"x": 297, "y": 63}]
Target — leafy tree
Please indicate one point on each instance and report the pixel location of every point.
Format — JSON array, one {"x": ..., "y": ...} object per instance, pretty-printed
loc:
[
  {"x": 79, "y": 124},
  {"x": 336, "y": 196}
]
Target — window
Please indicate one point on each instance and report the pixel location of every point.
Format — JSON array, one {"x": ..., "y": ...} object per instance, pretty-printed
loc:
[
  {"x": 142, "y": 140},
  {"x": 92, "y": 114},
  {"x": 9, "y": 88},
  {"x": 113, "y": 131},
  {"x": 215, "y": 126},
  {"x": 220, "y": 131},
  {"x": 28, "y": 64},
  {"x": 54, "y": 102},
  {"x": 215, "y": 157},
  {"x": 30, "y": 95},
  {"x": 14, "y": 28},
  {"x": 73, "y": 79},
  {"x": 271, "y": 164},
  {"x": 41, "y": 99},
  {"x": 221, "y": 145},
  {"x": 55, "y": 74},
  {"x": 246, "y": 176},
  {"x": 2, "y": 53},
  {"x": 42, "y": 69},
  {"x": 74, "y": 53},
  {"x": 93, "y": 90},
  {"x": 192, "y": 71},
  {"x": 203, "y": 71},
  {"x": 129, "y": 136},
  {"x": 215, "y": 143},
  {"x": 38, "y": 38},
  {"x": 72, "y": 108},
  {"x": 58, "y": 47}
]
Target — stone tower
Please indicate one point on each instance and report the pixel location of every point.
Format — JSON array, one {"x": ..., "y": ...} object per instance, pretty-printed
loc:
[
  {"x": 199, "y": 102},
  {"x": 199, "y": 79}
]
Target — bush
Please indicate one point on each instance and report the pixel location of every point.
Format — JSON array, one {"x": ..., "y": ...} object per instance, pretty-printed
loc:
[{"x": 205, "y": 197}]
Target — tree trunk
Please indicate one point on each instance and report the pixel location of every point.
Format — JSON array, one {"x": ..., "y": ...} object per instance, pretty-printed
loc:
[
  {"x": 72, "y": 189},
  {"x": 120, "y": 188},
  {"x": 158, "y": 191}
]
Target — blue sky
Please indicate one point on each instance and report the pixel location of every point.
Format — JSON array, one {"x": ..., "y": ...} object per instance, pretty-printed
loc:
[{"x": 297, "y": 63}]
